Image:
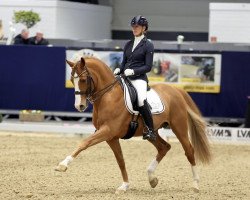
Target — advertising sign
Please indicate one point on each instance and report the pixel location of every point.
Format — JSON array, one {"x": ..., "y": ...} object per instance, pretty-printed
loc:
[{"x": 192, "y": 72}]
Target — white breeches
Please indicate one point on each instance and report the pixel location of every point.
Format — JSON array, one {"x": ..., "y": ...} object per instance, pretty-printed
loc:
[{"x": 141, "y": 87}]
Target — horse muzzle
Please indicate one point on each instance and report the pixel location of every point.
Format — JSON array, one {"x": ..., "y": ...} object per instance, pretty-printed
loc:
[{"x": 80, "y": 107}]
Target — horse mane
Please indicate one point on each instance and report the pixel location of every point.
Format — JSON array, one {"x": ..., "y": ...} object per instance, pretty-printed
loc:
[{"x": 97, "y": 60}]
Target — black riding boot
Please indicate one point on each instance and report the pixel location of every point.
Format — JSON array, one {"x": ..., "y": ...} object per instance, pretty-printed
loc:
[{"x": 147, "y": 117}]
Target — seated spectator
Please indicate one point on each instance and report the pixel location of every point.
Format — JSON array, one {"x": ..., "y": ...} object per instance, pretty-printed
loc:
[
  {"x": 22, "y": 38},
  {"x": 38, "y": 39},
  {"x": 1, "y": 29}
]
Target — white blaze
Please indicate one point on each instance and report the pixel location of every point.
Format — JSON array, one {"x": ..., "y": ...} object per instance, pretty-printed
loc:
[{"x": 77, "y": 96}]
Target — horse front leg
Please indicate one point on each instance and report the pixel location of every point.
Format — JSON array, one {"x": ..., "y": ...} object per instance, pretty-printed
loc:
[
  {"x": 116, "y": 148},
  {"x": 99, "y": 136},
  {"x": 162, "y": 147}
]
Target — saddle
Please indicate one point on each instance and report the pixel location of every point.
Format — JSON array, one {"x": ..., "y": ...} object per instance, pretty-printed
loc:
[
  {"x": 130, "y": 97},
  {"x": 132, "y": 93}
]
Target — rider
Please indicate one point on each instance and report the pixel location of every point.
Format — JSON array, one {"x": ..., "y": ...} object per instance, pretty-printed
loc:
[{"x": 137, "y": 61}]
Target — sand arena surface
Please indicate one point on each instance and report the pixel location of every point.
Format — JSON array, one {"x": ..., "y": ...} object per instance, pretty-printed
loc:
[{"x": 27, "y": 164}]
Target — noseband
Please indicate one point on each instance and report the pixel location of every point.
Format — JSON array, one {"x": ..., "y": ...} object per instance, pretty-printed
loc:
[{"x": 91, "y": 96}]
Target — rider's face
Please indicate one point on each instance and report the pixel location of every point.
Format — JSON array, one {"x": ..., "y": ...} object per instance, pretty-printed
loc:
[{"x": 138, "y": 30}]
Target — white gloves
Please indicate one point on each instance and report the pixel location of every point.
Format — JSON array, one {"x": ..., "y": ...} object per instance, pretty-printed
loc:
[
  {"x": 117, "y": 71},
  {"x": 129, "y": 72}
]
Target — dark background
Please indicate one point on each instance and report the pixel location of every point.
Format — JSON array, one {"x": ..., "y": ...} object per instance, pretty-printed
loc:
[{"x": 33, "y": 77}]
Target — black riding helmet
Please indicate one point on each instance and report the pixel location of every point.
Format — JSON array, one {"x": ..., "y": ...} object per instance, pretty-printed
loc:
[{"x": 139, "y": 20}]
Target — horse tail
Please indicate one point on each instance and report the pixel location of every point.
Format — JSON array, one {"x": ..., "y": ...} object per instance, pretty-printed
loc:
[{"x": 197, "y": 131}]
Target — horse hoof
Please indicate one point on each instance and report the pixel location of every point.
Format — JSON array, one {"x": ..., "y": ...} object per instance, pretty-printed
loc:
[
  {"x": 196, "y": 187},
  {"x": 154, "y": 182},
  {"x": 196, "y": 190},
  {"x": 61, "y": 168},
  {"x": 123, "y": 188}
]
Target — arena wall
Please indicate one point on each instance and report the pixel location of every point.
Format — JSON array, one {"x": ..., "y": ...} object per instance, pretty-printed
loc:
[
  {"x": 229, "y": 22},
  {"x": 34, "y": 78}
]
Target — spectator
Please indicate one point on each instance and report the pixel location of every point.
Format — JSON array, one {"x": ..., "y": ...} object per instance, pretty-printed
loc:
[
  {"x": 22, "y": 38},
  {"x": 11, "y": 35},
  {"x": 38, "y": 39},
  {"x": 1, "y": 29}
]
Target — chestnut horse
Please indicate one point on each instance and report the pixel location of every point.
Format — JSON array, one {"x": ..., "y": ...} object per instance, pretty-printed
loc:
[{"x": 94, "y": 82}]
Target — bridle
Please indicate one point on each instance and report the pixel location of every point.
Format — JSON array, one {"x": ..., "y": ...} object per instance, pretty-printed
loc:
[
  {"x": 91, "y": 96},
  {"x": 90, "y": 82}
]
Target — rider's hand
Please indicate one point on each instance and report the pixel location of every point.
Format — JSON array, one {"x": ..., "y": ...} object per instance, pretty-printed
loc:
[
  {"x": 117, "y": 71},
  {"x": 129, "y": 72}
]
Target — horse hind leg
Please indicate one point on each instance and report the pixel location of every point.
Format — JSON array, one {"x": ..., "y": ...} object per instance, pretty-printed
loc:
[
  {"x": 189, "y": 152},
  {"x": 162, "y": 147},
  {"x": 181, "y": 131}
]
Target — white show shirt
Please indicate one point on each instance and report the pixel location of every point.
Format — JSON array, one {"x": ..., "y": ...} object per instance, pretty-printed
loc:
[{"x": 137, "y": 41}]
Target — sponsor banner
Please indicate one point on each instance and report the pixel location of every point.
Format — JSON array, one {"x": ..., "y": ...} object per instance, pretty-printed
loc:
[
  {"x": 192, "y": 72},
  {"x": 223, "y": 134}
]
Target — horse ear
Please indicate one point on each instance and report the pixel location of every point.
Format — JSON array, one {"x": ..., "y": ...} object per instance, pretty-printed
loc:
[
  {"x": 71, "y": 64},
  {"x": 82, "y": 62}
]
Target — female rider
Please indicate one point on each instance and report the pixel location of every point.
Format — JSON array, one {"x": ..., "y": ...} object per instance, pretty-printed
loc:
[{"x": 137, "y": 61}]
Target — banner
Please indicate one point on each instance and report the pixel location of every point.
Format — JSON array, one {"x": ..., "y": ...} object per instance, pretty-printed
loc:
[
  {"x": 218, "y": 134},
  {"x": 192, "y": 72}
]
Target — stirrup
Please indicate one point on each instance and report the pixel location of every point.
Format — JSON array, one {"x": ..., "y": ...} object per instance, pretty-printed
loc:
[{"x": 149, "y": 135}]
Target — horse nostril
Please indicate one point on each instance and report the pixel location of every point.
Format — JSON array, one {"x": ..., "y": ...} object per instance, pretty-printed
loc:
[{"x": 82, "y": 107}]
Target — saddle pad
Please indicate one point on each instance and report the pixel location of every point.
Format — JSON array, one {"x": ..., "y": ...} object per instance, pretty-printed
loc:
[{"x": 153, "y": 99}]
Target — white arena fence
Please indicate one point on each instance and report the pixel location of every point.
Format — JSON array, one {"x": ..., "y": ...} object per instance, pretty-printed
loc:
[
  {"x": 216, "y": 134},
  {"x": 219, "y": 134}
]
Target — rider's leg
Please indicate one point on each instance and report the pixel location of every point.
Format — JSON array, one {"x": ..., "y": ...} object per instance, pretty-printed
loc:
[
  {"x": 141, "y": 87},
  {"x": 147, "y": 117}
]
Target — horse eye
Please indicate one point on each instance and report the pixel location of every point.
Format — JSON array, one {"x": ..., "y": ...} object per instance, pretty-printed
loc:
[{"x": 83, "y": 80}]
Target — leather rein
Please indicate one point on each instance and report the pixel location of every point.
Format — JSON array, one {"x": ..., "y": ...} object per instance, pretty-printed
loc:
[{"x": 90, "y": 94}]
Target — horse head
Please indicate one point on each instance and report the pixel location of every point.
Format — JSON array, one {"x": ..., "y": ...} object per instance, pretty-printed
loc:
[{"x": 83, "y": 83}]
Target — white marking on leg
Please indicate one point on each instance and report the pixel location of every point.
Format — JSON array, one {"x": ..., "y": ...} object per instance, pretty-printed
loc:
[
  {"x": 123, "y": 187},
  {"x": 195, "y": 178},
  {"x": 66, "y": 161},
  {"x": 151, "y": 169},
  {"x": 195, "y": 173}
]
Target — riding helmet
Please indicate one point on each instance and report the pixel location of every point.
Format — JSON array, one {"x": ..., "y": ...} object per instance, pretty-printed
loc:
[{"x": 139, "y": 20}]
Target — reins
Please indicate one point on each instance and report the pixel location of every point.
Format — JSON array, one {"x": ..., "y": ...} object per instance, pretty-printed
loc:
[
  {"x": 95, "y": 96},
  {"x": 92, "y": 96}
]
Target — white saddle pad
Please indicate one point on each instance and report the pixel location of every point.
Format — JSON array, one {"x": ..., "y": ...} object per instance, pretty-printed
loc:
[{"x": 153, "y": 99}]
